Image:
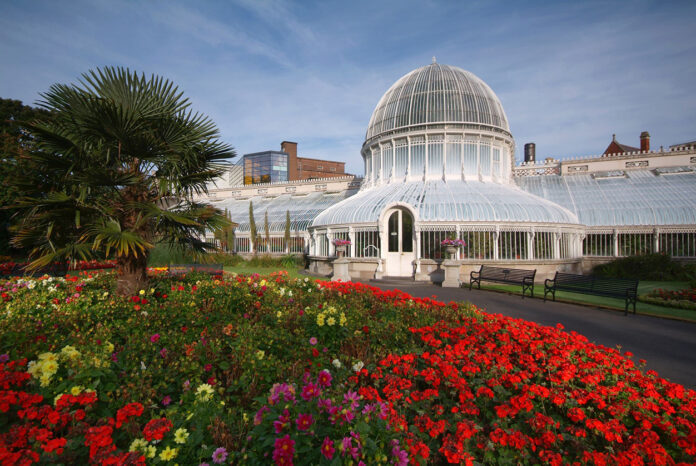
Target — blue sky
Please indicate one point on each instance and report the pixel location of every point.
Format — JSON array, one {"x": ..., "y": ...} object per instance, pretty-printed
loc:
[{"x": 569, "y": 74}]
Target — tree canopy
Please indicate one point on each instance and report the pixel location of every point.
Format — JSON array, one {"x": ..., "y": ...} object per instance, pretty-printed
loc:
[{"x": 118, "y": 164}]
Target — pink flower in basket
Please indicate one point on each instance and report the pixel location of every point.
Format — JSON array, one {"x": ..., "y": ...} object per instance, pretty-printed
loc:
[{"x": 453, "y": 242}]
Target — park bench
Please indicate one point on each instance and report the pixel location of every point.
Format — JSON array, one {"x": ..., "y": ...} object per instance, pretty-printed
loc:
[
  {"x": 181, "y": 269},
  {"x": 504, "y": 275},
  {"x": 589, "y": 284}
]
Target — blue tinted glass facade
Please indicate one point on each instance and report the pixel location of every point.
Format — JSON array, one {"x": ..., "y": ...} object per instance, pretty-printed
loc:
[{"x": 265, "y": 167}]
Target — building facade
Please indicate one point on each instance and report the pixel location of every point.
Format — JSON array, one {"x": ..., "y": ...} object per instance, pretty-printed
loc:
[{"x": 439, "y": 163}]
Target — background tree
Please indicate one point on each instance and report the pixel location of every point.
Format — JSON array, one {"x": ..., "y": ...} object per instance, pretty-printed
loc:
[
  {"x": 287, "y": 231},
  {"x": 118, "y": 164},
  {"x": 15, "y": 141},
  {"x": 225, "y": 235},
  {"x": 267, "y": 232},
  {"x": 252, "y": 229}
]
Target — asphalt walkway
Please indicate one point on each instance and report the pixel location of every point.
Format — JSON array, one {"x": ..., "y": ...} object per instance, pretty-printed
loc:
[{"x": 668, "y": 346}]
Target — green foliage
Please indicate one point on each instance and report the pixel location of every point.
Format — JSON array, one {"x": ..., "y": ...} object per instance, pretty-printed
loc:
[
  {"x": 252, "y": 228},
  {"x": 267, "y": 231},
  {"x": 14, "y": 142},
  {"x": 120, "y": 158},
  {"x": 287, "y": 230},
  {"x": 647, "y": 267}
]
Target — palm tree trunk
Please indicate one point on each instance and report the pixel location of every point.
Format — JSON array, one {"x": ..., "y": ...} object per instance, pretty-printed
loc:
[{"x": 131, "y": 274}]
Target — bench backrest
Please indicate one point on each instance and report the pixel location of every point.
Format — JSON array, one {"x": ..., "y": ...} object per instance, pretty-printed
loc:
[
  {"x": 180, "y": 269},
  {"x": 506, "y": 273},
  {"x": 594, "y": 283}
]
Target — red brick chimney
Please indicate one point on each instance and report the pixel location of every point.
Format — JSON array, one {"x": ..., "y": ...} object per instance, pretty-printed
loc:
[
  {"x": 645, "y": 141},
  {"x": 290, "y": 148}
]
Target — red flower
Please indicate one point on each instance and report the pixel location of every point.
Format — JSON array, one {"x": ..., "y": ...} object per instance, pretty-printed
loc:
[{"x": 156, "y": 429}]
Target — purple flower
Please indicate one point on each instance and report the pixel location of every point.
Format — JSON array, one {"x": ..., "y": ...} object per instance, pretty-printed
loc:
[
  {"x": 4, "y": 357},
  {"x": 163, "y": 352},
  {"x": 114, "y": 357},
  {"x": 313, "y": 341},
  {"x": 400, "y": 456},
  {"x": 352, "y": 398},
  {"x": 304, "y": 421},
  {"x": 166, "y": 400},
  {"x": 155, "y": 337},
  {"x": 219, "y": 455},
  {"x": 187, "y": 386}
]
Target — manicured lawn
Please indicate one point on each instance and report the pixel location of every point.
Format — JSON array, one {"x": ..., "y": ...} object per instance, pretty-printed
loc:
[
  {"x": 641, "y": 308},
  {"x": 247, "y": 269}
]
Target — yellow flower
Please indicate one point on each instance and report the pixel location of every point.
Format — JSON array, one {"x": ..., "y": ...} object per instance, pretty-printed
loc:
[
  {"x": 109, "y": 347},
  {"x": 342, "y": 320},
  {"x": 45, "y": 380},
  {"x": 204, "y": 392},
  {"x": 168, "y": 453},
  {"x": 49, "y": 367},
  {"x": 330, "y": 321},
  {"x": 47, "y": 357},
  {"x": 320, "y": 320},
  {"x": 76, "y": 390},
  {"x": 260, "y": 354},
  {"x": 139, "y": 444},
  {"x": 151, "y": 451},
  {"x": 142, "y": 292},
  {"x": 181, "y": 435}
]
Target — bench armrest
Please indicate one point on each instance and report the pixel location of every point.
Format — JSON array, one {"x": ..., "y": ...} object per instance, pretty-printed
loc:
[
  {"x": 471, "y": 275},
  {"x": 547, "y": 281}
]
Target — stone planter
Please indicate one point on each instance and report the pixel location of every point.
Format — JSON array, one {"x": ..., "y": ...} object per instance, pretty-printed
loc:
[
  {"x": 340, "y": 251},
  {"x": 451, "y": 252}
]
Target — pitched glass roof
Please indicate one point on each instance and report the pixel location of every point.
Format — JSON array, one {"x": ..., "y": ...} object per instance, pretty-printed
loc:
[
  {"x": 453, "y": 201},
  {"x": 436, "y": 94},
  {"x": 641, "y": 197},
  {"x": 302, "y": 207}
]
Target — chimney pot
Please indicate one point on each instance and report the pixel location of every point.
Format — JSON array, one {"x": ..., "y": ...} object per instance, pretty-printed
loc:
[{"x": 645, "y": 141}]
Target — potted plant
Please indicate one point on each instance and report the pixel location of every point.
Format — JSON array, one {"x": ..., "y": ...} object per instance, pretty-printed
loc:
[
  {"x": 451, "y": 245},
  {"x": 341, "y": 245}
]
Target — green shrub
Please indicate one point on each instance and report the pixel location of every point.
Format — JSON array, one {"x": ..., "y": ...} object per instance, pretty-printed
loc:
[{"x": 660, "y": 267}]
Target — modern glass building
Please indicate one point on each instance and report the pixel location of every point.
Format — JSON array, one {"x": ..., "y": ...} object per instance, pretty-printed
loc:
[
  {"x": 265, "y": 167},
  {"x": 439, "y": 162}
]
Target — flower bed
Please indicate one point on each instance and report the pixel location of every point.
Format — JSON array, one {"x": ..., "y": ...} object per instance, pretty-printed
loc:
[
  {"x": 9, "y": 267},
  {"x": 259, "y": 370},
  {"x": 681, "y": 299}
]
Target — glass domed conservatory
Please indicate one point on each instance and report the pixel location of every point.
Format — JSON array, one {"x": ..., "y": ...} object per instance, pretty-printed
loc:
[{"x": 439, "y": 158}]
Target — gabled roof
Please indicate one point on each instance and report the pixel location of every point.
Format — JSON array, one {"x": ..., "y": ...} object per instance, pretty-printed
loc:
[{"x": 617, "y": 148}]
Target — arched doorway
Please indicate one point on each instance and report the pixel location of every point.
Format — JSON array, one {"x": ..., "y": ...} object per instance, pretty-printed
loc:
[{"x": 400, "y": 243}]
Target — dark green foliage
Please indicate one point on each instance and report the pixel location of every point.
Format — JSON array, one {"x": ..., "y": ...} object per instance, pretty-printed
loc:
[
  {"x": 658, "y": 267},
  {"x": 252, "y": 228},
  {"x": 117, "y": 165},
  {"x": 14, "y": 142},
  {"x": 287, "y": 230}
]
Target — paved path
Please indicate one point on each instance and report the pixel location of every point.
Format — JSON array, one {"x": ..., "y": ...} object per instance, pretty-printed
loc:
[{"x": 668, "y": 346}]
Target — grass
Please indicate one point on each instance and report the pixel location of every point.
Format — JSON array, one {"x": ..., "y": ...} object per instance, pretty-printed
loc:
[
  {"x": 246, "y": 269},
  {"x": 613, "y": 303}
]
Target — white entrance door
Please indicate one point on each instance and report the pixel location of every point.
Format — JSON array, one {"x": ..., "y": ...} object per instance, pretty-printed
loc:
[{"x": 400, "y": 253}]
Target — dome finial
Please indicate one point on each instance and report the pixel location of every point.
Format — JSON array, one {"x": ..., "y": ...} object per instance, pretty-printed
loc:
[{"x": 434, "y": 60}]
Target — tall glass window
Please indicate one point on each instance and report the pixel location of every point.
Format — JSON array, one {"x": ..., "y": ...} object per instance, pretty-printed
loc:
[
  {"x": 368, "y": 165},
  {"x": 377, "y": 164},
  {"x": 406, "y": 232},
  {"x": 417, "y": 159},
  {"x": 485, "y": 160},
  {"x": 401, "y": 161},
  {"x": 435, "y": 158},
  {"x": 388, "y": 161},
  {"x": 470, "y": 159},
  {"x": 496, "y": 162},
  {"x": 454, "y": 158}
]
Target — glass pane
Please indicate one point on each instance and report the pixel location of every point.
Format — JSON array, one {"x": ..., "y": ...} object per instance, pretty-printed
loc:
[
  {"x": 394, "y": 232},
  {"x": 406, "y": 232}
]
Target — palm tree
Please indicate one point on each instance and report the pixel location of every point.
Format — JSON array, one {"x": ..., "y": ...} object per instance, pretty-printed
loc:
[{"x": 118, "y": 164}]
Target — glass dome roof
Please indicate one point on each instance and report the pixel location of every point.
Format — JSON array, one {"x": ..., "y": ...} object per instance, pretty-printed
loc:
[
  {"x": 440, "y": 201},
  {"x": 437, "y": 94}
]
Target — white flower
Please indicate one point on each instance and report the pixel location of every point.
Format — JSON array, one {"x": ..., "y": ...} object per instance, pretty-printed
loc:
[
  {"x": 142, "y": 366},
  {"x": 336, "y": 363},
  {"x": 358, "y": 366}
]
